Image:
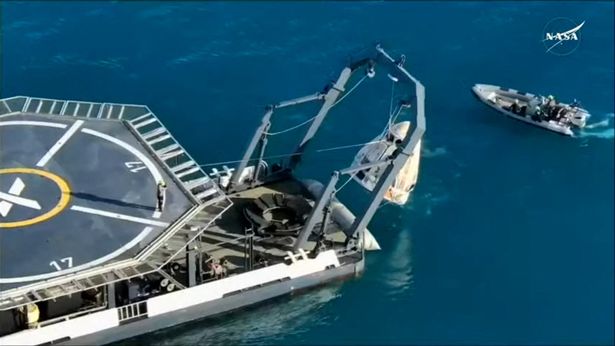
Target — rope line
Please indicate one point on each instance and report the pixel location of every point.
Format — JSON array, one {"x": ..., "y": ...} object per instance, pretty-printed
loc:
[
  {"x": 349, "y": 92},
  {"x": 396, "y": 114},
  {"x": 347, "y": 146},
  {"x": 255, "y": 159},
  {"x": 291, "y": 128},
  {"x": 392, "y": 113},
  {"x": 314, "y": 117},
  {"x": 344, "y": 184},
  {"x": 391, "y": 104},
  {"x": 288, "y": 155}
]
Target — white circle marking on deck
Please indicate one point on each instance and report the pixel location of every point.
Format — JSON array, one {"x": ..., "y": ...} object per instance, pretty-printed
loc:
[{"x": 150, "y": 167}]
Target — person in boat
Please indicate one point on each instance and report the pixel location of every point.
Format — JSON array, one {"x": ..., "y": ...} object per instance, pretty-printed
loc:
[
  {"x": 514, "y": 107},
  {"x": 551, "y": 106},
  {"x": 554, "y": 112},
  {"x": 561, "y": 113},
  {"x": 537, "y": 114}
]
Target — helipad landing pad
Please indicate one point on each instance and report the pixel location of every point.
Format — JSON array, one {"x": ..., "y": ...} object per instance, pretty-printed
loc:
[{"x": 75, "y": 193}]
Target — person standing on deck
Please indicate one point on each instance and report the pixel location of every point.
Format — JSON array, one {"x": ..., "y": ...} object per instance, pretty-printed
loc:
[{"x": 161, "y": 191}]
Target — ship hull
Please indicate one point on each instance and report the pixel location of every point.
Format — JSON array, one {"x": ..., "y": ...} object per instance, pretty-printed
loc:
[{"x": 218, "y": 307}]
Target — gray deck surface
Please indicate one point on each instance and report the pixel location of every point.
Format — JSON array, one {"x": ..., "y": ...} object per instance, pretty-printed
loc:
[
  {"x": 99, "y": 180},
  {"x": 233, "y": 223}
]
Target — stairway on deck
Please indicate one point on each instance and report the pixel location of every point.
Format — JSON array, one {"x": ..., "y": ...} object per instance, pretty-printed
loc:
[
  {"x": 168, "y": 150},
  {"x": 181, "y": 234}
]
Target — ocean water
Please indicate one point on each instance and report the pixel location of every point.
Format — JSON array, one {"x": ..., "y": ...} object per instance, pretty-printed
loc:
[{"x": 508, "y": 238}]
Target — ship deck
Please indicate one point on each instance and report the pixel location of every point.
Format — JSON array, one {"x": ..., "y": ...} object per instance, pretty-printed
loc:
[
  {"x": 225, "y": 239},
  {"x": 78, "y": 183},
  {"x": 76, "y": 193}
]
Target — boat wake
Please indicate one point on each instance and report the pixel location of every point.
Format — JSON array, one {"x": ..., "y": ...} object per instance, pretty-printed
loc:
[{"x": 602, "y": 129}]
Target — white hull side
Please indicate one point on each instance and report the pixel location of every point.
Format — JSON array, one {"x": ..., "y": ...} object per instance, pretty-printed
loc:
[{"x": 177, "y": 301}]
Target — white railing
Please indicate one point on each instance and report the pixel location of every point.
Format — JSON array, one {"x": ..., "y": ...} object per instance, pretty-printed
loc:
[{"x": 132, "y": 311}]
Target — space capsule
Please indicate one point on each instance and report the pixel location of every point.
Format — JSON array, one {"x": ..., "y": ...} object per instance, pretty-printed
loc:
[{"x": 381, "y": 148}]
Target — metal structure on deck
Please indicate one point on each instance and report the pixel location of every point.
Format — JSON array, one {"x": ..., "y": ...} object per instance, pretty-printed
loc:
[{"x": 331, "y": 96}]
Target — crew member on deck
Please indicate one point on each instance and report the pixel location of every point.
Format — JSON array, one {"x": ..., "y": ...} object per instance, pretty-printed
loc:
[{"x": 161, "y": 191}]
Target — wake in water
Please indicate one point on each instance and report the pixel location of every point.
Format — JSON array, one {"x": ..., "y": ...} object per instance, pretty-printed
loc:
[{"x": 601, "y": 129}]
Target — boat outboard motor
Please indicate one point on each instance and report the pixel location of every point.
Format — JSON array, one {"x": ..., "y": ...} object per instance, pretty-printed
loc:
[{"x": 578, "y": 119}]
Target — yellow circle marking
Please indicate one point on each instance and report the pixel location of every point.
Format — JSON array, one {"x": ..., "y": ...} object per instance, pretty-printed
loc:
[{"x": 62, "y": 203}]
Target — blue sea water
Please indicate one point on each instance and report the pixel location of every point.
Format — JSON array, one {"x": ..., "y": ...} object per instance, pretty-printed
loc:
[{"x": 509, "y": 235}]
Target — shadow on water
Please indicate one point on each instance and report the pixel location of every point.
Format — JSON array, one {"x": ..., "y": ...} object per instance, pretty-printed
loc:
[
  {"x": 95, "y": 198},
  {"x": 265, "y": 323},
  {"x": 400, "y": 277}
]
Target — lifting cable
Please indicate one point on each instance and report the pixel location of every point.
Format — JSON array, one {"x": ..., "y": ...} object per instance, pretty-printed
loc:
[
  {"x": 392, "y": 113},
  {"x": 288, "y": 155},
  {"x": 391, "y": 104},
  {"x": 325, "y": 149},
  {"x": 290, "y": 128},
  {"x": 344, "y": 184},
  {"x": 314, "y": 117},
  {"x": 349, "y": 92},
  {"x": 347, "y": 146}
]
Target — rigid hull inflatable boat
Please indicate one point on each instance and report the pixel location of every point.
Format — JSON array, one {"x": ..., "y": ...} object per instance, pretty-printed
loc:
[{"x": 533, "y": 109}]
